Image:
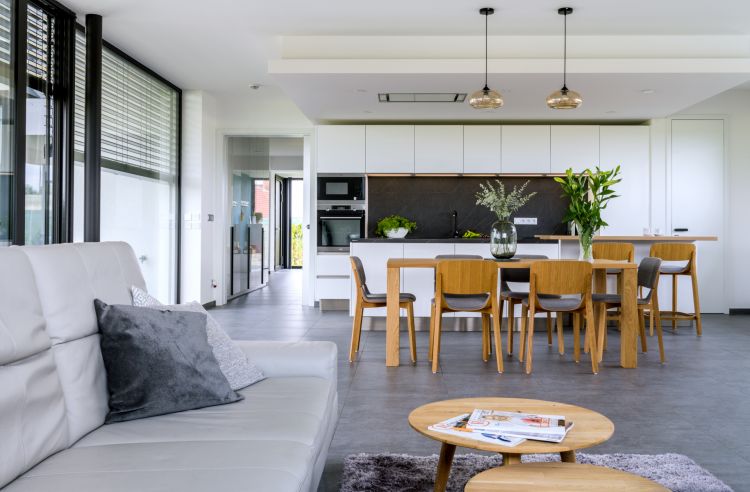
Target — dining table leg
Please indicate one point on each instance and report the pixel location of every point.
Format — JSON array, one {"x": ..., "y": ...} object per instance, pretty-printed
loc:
[
  {"x": 629, "y": 316},
  {"x": 600, "y": 311},
  {"x": 393, "y": 315}
]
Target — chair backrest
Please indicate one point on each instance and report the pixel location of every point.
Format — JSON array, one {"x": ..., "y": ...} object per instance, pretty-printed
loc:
[
  {"x": 360, "y": 279},
  {"x": 561, "y": 277},
  {"x": 518, "y": 275},
  {"x": 466, "y": 277},
  {"x": 675, "y": 252},
  {"x": 613, "y": 251},
  {"x": 648, "y": 275}
]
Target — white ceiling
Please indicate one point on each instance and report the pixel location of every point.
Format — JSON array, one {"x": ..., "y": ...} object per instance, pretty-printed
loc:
[{"x": 224, "y": 45}]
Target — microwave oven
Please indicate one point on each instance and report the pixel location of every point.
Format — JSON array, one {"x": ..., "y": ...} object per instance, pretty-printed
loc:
[{"x": 341, "y": 187}]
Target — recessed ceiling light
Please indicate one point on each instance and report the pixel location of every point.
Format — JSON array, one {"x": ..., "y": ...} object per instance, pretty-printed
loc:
[
  {"x": 647, "y": 91},
  {"x": 362, "y": 91},
  {"x": 254, "y": 86},
  {"x": 611, "y": 111},
  {"x": 368, "y": 111}
]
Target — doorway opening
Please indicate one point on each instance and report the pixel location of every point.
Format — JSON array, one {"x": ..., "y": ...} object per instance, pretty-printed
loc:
[{"x": 289, "y": 215}]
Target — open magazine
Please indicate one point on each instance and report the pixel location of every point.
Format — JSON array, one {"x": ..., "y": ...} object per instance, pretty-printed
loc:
[
  {"x": 456, "y": 426},
  {"x": 550, "y": 428}
]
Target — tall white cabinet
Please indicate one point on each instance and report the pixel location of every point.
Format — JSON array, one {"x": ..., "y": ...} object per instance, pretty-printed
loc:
[{"x": 341, "y": 149}]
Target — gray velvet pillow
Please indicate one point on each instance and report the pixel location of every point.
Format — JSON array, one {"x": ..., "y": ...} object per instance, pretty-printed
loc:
[{"x": 158, "y": 362}]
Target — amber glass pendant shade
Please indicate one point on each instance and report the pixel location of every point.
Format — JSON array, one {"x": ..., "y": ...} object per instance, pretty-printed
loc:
[
  {"x": 564, "y": 99},
  {"x": 486, "y": 99}
]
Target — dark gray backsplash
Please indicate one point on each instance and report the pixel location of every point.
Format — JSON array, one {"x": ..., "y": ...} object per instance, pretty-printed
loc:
[{"x": 430, "y": 202}]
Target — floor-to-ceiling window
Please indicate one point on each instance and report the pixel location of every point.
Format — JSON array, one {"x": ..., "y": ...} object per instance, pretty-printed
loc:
[{"x": 6, "y": 120}]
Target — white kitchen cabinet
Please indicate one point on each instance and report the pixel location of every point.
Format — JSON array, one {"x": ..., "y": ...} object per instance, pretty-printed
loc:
[
  {"x": 420, "y": 281},
  {"x": 389, "y": 148},
  {"x": 438, "y": 149},
  {"x": 482, "y": 149},
  {"x": 332, "y": 288},
  {"x": 574, "y": 146},
  {"x": 332, "y": 277},
  {"x": 526, "y": 149},
  {"x": 628, "y": 147},
  {"x": 374, "y": 258},
  {"x": 341, "y": 149},
  {"x": 333, "y": 264}
]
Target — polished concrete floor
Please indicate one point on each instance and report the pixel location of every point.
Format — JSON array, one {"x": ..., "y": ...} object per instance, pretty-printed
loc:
[{"x": 697, "y": 404}]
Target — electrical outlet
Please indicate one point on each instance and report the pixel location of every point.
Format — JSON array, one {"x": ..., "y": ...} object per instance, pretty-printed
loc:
[{"x": 524, "y": 221}]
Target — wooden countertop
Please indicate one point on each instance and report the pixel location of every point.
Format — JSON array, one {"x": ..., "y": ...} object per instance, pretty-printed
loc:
[{"x": 631, "y": 238}]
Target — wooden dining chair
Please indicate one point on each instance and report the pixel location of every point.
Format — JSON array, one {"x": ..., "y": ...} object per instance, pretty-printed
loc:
[
  {"x": 684, "y": 253},
  {"x": 571, "y": 282},
  {"x": 366, "y": 299},
  {"x": 466, "y": 286},
  {"x": 648, "y": 281},
  {"x": 602, "y": 250},
  {"x": 486, "y": 345},
  {"x": 515, "y": 298}
]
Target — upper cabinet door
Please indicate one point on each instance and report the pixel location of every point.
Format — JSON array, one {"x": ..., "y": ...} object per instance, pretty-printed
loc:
[
  {"x": 438, "y": 149},
  {"x": 341, "y": 149},
  {"x": 389, "y": 148},
  {"x": 526, "y": 149},
  {"x": 482, "y": 149},
  {"x": 629, "y": 148},
  {"x": 574, "y": 146}
]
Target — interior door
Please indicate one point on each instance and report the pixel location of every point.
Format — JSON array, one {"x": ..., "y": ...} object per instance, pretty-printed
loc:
[
  {"x": 697, "y": 178},
  {"x": 279, "y": 260}
]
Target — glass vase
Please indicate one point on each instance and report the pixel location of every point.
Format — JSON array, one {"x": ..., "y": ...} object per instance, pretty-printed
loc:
[
  {"x": 503, "y": 240},
  {"x": 586, "y": 240}
]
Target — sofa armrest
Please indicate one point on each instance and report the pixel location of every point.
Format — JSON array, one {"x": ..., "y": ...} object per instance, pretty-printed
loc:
[{"x": 279, "y": 359}]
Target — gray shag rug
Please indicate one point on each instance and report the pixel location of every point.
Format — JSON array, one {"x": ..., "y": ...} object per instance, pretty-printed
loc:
[{"x": 406, "y": 473}]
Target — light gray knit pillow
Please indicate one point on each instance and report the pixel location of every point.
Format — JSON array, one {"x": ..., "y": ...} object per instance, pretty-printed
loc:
[{"x": 233, "y": 362}]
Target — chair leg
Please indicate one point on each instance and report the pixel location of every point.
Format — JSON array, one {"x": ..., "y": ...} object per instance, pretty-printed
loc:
[
  {"x": 560, "y": 338},
  {"x": 586, "y": 341},
  {"x": 410, "y": 329},
  {"x": 436, "y": 340},
  {"x": 529, "y": 341},
  {"x": 651, "y": 318},
  {"x": 696, "y": 304},
  {"x": 485, "y": 337},
  {"x": 524, "y": 329},
  {"x": 549, "y": 328},
  {"x": 356, "y": 330},
  {"x": 497, "y": 318},
  {"x": 674, "y": 302},
  {"x": 432, "y": 331},
  {"x": 660, "y": 338},
  {"x": 590, "y": 329},
  {"x": 600, "y": 318},
  {"x": 511, "y": 326},
  {"x": 576, "y": 337},
  {"x": 642, "y": 330}
]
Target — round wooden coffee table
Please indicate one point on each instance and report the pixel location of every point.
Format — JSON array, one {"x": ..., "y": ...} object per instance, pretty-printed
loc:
[
  {"x": 590, "y": 428},
  {"x": 559, "y": 477}
]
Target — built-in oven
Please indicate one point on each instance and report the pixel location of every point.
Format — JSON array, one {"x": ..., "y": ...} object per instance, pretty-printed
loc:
[
  {"x": 338, "y": 225},
  {"x": 341, "y": 187}
]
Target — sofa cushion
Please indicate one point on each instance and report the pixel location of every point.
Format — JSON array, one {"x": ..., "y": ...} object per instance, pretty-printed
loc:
[
  {"x": 233, "y": 362},
  {"x": 158, "y": 362}
]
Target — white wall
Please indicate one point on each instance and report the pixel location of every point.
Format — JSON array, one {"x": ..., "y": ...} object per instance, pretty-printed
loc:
[
  {"x": 198, "y": 192},
  {"x": 735, "y": 106}
]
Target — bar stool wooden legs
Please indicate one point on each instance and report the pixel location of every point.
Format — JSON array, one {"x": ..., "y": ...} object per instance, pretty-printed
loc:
[{"x": 685, "y": 253}]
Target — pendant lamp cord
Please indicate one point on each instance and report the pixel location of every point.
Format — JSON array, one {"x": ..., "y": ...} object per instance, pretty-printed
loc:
[
  {"x": 486, "y": 87},
  {"x": 565, "y": 51}
]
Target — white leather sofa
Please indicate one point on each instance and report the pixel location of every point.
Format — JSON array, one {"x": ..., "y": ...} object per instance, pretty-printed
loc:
[{"x": 53, "y": 394}]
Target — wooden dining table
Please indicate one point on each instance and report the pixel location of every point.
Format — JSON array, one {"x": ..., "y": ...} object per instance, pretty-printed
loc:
[{"x": 627, "y": 288}]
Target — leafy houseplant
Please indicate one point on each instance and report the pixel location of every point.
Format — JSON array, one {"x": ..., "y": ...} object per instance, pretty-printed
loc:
[
  {"x": 589, "y": 194},
  {"x": 394, "y": 226},
  {"x": 504, "y": 238}
]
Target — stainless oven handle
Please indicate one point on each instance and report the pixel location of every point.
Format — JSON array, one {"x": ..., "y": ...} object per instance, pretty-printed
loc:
[{"x": 341, "y": 218}]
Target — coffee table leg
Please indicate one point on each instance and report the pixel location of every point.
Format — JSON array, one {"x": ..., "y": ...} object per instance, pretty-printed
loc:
[
  {"x": 511, "y": 459},
  {"x": 568, "y": 456},
  {"x": 444, "y": 466}
]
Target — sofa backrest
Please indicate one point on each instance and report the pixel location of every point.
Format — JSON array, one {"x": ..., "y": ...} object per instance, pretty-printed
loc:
[{"x": 52, "y": 376}]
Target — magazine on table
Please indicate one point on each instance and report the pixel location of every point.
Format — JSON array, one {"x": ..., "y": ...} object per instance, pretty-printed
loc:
[
  {"x": 550, "y": 428},
  {"x": 456, "y": 426}
]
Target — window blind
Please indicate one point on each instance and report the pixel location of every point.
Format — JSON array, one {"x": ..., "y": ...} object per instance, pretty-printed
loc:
[{"x": 139, "y": 116}]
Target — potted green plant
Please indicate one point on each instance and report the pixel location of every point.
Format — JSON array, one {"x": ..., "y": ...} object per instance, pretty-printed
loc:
[
  {"x": 503, "y": 237},
  {"x": 589, "y": 193},
  {"x": 394, "y": 226}
]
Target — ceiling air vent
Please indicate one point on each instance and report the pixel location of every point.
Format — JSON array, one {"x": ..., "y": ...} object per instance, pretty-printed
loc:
[{"x": 422, "y": 97}]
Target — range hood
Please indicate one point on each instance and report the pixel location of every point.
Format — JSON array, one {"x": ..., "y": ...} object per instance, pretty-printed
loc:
[{"x": 422, "y": 97}]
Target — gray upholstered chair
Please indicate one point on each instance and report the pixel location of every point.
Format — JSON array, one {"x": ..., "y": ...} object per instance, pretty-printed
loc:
[
  {"x": 514, "y": 298},
  {"x": 486, "y": 345},
  {"x": 648, "y": 281},
  {"x": 366, "y": 299}
]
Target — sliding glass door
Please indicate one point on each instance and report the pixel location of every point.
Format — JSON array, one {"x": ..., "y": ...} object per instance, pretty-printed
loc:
[{"x": 7, "y": 122}]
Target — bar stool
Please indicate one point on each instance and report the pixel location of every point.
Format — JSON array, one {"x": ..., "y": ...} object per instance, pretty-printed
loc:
[
  {"x": 486, "y": 345},
  {"x": 366, "y": 299},
  {"x": 467, "y": 286},
  {"x": 679, "y": 252},
  {"x": 514, "y": 298}
]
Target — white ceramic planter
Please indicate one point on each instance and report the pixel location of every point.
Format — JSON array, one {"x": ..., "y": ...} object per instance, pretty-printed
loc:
[{"x": 399, "y": 233}]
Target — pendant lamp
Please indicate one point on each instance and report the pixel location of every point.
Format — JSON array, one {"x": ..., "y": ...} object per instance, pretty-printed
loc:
[
  {"x": 564, "y": 98},
  {"x": 486, "y": 98}
]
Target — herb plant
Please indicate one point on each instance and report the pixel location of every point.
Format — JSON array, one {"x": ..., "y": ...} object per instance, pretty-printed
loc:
[{"x": 394, "y": 222}]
